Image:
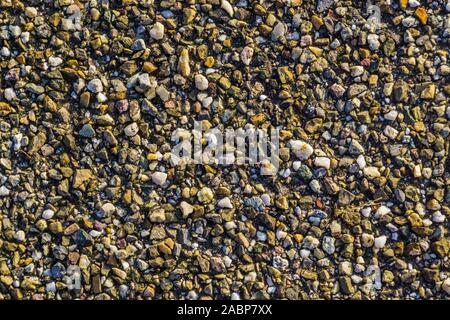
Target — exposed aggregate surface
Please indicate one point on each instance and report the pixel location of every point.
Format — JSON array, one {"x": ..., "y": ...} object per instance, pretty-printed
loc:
[{"x": 91, "y": 92}]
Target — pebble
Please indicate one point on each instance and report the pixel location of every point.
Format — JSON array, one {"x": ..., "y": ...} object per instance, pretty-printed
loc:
[
  {"x": 356, "y": 71},
  {"x": 132, "y": 129},
  {"x": 247, "y": 55},
  {"x": 391, "y": 115},
  {"x": 235, "y": 296},
  {"x": 55, "y": 61},
  {"x": 48, "y": 214},
  {"x": 186, "y": 209},
  {"x": 138, "y": 45},
  {"x": 5, "y": 52},
  {"x": 414, "y": 3},
  {"x": 87, "y": 131},
  {"x": 95, "y": 97},
  {"x": 159, "y": 178},
  {"x": 361, "y": 161},
  {"x": 205, "y": 195},
  {"x": 225, "y": 203},
  {"x": 328, "y": 245},
  {"x": 157, "y": 31},
  {"x": 163, "y": 93},
  {"x": 301, "y": 149},
  {"x": 225, "y": 5},
  {"x": 371, "y": 172},
  {"x": 4, "y": 191},
  {"x": 438, "y": 217},
  {"x": 323, "y": 162},
  {"x": 15, "y": 31},
  {"x": 323, "y": 5},
  {"x": 382, "y": 210},
  {"x": 50, "y": 287},
  {"x": 31, "y": 12},
  {"x": 266, "y": 199},
  {"x": 108, "y": 209},
  {"x": 95, "y": 86},
  {"x": 367, "y": 240},
  {"x": 201, "y": 83},
  {"x": 380, "y": 242},
  {"x": 278, "y": 31},
  {"x": 157, "y": 216},
  {"x": 10, "y": 94},
  {"x": 19, "y": 236},
  {"x": 374, "y": 43}
]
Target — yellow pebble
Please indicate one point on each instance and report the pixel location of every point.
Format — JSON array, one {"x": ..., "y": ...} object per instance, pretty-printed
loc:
[
  {"x": 227, "y": 43},
  {"x": 317, "y": 21},
  {"x": 422, "y": 15},
  {"x": 373, "y": 79},
  {"x": 209, "y": 62},
  {"x": 317, "y": 51},
  {"x": 149, "y": 67},
  {"x": 403, "y": 4}
]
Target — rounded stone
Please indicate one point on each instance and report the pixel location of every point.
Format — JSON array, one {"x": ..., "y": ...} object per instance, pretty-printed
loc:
[
  {"x": 201, "y": 82},
  {"x": 95, "y": 86},
  {"x": 157, "y": 31},
  {"x": 48, "y": 214}
]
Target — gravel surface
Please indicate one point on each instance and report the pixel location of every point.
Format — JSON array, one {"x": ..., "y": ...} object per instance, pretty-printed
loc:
[{"x": 93, "y": 206}]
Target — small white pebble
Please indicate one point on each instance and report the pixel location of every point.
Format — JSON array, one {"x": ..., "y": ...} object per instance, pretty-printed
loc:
[
  {"x": 9, "y": 94},
  {"x": 5, "y": 52},
  {"x": 382, "y": 210},
  {"x": 246, "y": 55},
  {"x": 201, "y": 82},
  {"x": 356, "y": 279},
  {"x": 380, "y": 242},
  {"x": 15, "y": 31},
  {"x": 261, "y": 236},
  {"x": 296, "y": 165},
  {"x": 446, "y": 283},
  {"x": 95, "y": 86},
  {"x": 266, "y": 199},
  {"x": 4, "y": 191},
  {"x": 414, "y": 3},
  {"x": 225, "y": 203},
  {"x": 391, "y": 115},
  {"x": 95, "y": 233},
  {"x": 323, "y": 162},
  {"x": 48, "y": 214},
  {"x": 235, "y": 296},
  {"x": 101, "y": 97},
  {"x": 50, "y": 287},
  {"x": 366, "y": 212},
  {"x": 301, "y": 149},
  {"x": 20, "y": 236},
  {"x": 438, "y": 217},
  {"x": 361, "y": 161},
  {"x": 157, "y": 31},
  {"x": 55, "y": 61},
  {"x": 281, "y": 234},
  {"x": 159, "y": 178},
  {"x": 304, "y": 253},
  {"x": 25, "y": 37},
  {"x": 225, "y": 5}
]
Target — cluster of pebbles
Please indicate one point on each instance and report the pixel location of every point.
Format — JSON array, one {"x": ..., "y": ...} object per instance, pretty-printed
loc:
[{"x": 92, "y": 90}]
